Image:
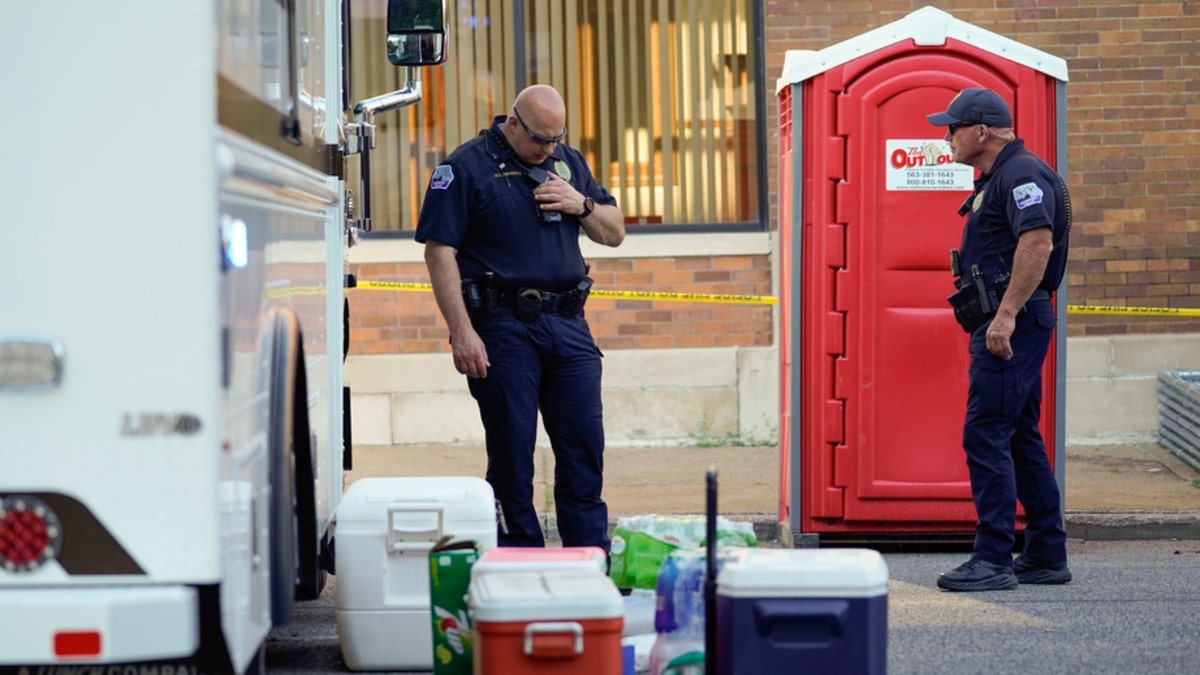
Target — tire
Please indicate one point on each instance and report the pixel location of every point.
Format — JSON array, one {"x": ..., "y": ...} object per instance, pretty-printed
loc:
[
  {"x": 310, "y": 577},
  {"x": 285, "y": 342}
]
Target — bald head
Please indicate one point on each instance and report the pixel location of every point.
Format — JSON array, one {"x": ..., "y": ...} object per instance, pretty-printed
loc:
[
  {"x": 541, "y": 101},
  {"x": 537, "y": 121}
]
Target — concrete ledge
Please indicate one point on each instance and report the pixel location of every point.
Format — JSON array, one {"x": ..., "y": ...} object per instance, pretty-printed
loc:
[
  {"x": 1136, "y": 525},
  {"x": 651, "y": 397},
  {"x": 1112, "y": 384},
  {"x": 674, "y": 396}
]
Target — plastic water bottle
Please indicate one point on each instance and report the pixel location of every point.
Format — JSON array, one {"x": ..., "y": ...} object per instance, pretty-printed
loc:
[
  {"x": 664, "y": 595},
  {"x": 679, "y": 615}
]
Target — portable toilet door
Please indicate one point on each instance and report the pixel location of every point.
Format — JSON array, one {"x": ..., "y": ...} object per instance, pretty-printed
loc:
[{"x": 873, "y": 364}]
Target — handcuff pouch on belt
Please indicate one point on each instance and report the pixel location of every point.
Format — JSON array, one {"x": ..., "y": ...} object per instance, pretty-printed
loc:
[
  {"x": 976, "y": 301},
  {"x": 527, "y": 303}
]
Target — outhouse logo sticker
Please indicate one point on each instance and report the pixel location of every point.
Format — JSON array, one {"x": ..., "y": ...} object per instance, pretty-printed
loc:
[{"x": 925, "y": 165}]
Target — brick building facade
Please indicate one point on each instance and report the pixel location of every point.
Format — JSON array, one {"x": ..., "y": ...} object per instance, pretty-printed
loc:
[{"x": 1133, "y": 122}]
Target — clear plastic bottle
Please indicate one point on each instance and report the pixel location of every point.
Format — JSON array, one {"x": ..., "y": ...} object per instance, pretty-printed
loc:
[{"x": 679, "y": 615}]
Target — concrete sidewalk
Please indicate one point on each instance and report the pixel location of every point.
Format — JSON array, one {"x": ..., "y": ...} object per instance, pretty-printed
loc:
[{"x": 1138, "y": 491}]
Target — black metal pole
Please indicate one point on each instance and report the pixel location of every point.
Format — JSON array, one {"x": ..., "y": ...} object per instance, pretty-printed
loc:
[{"x": 710, "y": 578}]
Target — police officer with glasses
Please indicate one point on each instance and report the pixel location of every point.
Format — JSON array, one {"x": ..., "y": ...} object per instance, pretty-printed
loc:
[{"x": 501, "y": 223}]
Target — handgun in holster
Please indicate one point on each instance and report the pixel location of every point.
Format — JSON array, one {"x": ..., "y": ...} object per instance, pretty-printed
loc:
[
  {"x": 573, "y": 303},
  {"x": 975, "y": 302},
  {"x": 479, "y": 296}
]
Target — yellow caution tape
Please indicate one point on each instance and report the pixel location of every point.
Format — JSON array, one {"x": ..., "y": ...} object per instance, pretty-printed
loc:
[
  {"x": 288, "y": 291},
  {"x": 688, "y": 297},
  {"x": 396, "y": 285},
  {"x": 1106, "y": 309},
  {"x": 621, "y": 295},
  {"x": 772, "y": 300}
]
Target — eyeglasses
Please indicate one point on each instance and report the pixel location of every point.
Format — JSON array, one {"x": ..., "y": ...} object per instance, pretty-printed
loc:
[
  {"x": 538, "y": 138},
  {"x": 955, "y": 127}
]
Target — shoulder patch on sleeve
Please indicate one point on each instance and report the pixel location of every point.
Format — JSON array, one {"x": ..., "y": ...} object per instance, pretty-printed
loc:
[
  {"x": 1027, "y": 194},
  {"x": 442, "y": 177}
]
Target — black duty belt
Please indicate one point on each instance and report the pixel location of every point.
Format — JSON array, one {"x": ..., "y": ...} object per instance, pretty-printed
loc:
[
  {"x": 544, "y": 301},
  {"x": 1039, "y": 294},
  {"x": 527, "y": 303}
]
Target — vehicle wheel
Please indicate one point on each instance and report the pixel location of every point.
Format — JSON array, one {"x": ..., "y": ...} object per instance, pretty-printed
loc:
[
  {"x": 311, "y": 578},
  {"x": 281, "y": 446}
]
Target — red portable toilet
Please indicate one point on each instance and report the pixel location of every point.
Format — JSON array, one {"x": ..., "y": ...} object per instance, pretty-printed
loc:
[{"x": 873, "y": 365}]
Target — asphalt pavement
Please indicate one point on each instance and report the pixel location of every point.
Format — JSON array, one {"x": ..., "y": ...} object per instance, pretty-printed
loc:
[{"x": 1132, "y": 607}]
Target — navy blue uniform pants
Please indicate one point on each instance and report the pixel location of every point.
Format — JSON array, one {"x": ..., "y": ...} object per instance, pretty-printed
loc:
[
  {"x": 551, "y": 364},
  {"x": 1006, "y": 456}
]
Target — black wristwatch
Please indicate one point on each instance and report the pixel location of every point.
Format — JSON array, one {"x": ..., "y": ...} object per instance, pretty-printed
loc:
[{"x": 589, "y": 205}]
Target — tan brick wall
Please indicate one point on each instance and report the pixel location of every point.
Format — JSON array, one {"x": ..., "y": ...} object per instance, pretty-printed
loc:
[
  {"x": 384, "y": 321},
  {"x": 400, "y": 322},
  {"x": 1133, "y": 134}
]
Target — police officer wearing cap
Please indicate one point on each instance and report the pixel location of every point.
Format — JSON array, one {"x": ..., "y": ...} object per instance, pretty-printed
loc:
[
  {"x": 501, "y": 224},
  {"x": 1011, "y": 260}
]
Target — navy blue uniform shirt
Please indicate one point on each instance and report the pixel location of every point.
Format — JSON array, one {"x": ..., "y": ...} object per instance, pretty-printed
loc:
[
  {"x": 480, "y": 201},
  {"x": 1021, "y": 192}
]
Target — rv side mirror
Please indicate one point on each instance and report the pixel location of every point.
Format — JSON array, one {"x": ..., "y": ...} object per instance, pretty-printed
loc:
[{"x": 416, "y": 32}]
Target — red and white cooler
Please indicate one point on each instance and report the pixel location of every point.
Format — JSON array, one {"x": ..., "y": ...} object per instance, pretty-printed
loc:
[
  {"x": 547, "y": 622},
  {"x": 802, "y": 610},
  {"x": 526, "y": 558}
]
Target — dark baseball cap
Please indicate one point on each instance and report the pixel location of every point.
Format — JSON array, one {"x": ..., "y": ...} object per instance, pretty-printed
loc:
[{"x": 974, "y": 106}]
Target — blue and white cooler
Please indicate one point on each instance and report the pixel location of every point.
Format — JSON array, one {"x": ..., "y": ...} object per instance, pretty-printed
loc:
[{"x": 802, "y": 610}]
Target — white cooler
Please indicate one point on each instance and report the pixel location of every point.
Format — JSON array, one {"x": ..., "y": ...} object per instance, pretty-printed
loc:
[{"x": 385, "y": 529}]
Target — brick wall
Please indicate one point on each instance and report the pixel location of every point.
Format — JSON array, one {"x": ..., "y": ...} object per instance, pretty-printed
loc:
[
  {"x": 399, "y": 322},
  {"x": 1133, "y": 134},
  {"x": 1133, "y": 124},
  {"x": 635, "y": 324},
  {"x": 395, "y": 322}
]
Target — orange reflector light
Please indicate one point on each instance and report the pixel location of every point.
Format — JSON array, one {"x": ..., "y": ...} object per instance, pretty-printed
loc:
[{"x": 77, "y": 643}]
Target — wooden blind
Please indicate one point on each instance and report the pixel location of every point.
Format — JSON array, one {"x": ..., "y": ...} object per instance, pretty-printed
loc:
[{"x": 659, "y": 93}]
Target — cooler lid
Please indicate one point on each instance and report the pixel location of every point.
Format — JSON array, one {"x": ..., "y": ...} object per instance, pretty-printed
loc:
[
  {"x": 545, "y": 595},
  {"x": 804, "y": 573},
  {"x": 524, "y": 558},
  {"x": 463, "y": 500}
]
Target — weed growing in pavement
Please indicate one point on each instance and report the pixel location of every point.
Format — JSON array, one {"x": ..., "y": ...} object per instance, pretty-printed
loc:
[
  {"x": 1196, "y": 483},
  {"x": 704, "y": 438}
]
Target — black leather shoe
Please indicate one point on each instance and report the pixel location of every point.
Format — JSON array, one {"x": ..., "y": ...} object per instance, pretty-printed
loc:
[
  {"x": 978, "y": 575},
  {"x": 1030, "y": 572}
]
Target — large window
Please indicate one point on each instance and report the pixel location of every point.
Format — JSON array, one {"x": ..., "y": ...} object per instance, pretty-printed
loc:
[{"x": 661, "y": 98}]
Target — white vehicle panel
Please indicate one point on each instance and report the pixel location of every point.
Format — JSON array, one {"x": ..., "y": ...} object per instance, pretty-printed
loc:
[
  {"x": 107, "y": 233},
  {"x": 172, "y": 214},
  {"x": 128, "y": 624}
]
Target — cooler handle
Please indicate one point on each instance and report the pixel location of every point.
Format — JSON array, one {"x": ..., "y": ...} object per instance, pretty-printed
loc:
[
  {"x": 553, "y": 645},
  {"x": 400, "y": 540},
  {"x": 794, "y": 621}
]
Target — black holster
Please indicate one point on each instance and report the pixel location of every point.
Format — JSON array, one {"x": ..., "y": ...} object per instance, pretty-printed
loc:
[
  {"x": 975, "y": 302},
  {"x": 479, "y": 297}
]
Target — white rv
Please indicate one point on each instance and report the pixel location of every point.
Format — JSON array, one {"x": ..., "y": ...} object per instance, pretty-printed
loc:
[{"x": 172, "y": 231}]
